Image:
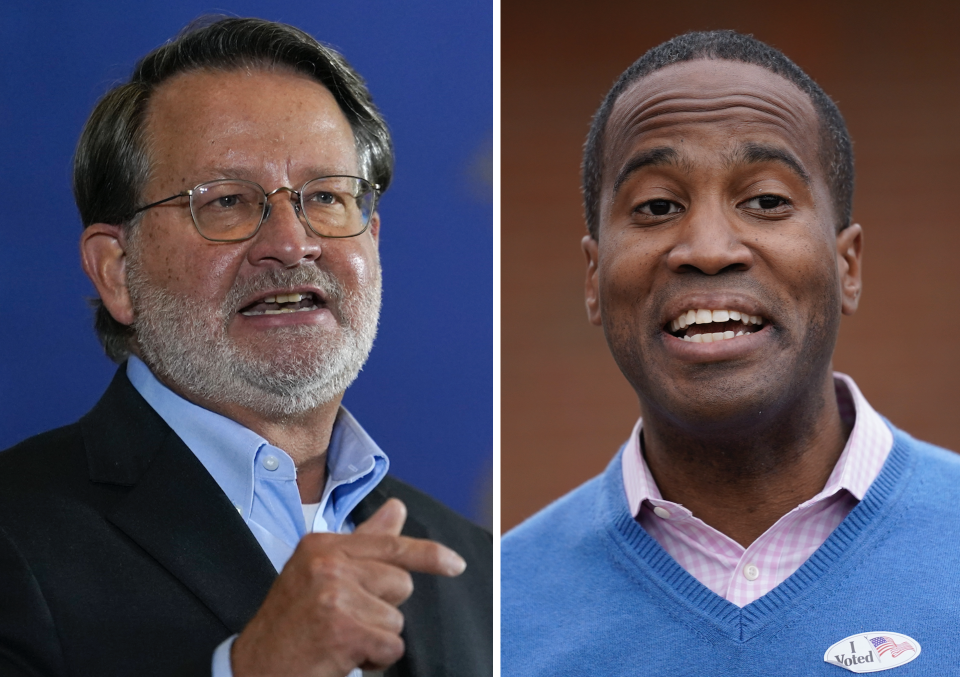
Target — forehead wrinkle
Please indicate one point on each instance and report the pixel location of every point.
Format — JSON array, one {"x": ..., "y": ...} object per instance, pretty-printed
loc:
[
  {"x": 687, "y": 102},
  {"x": 669, "y": 105},
  {"x": 710, "y": 85},
  {"x": 750, "y": 153},
  {"x": 230, "y": 172},
  {"x": 653, "y": 157}
]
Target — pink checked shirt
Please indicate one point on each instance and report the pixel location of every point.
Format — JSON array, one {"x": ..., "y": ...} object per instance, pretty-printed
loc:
[{"x": 744, "y": 575}]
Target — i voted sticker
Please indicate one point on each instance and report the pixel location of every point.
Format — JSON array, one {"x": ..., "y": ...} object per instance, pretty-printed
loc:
[{"x": 873, "y": 651}]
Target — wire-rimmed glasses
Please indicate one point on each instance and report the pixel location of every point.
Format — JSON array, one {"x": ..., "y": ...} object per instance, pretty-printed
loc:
[{"x": 232, "y": 210}]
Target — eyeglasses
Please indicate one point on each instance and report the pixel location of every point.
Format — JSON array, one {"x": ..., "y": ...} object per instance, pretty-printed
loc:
[{"x": 232, "y": 210}]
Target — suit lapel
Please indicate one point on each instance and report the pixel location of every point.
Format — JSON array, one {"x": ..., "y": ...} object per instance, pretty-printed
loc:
[
  {"x": 424, "y": 653},
  {"x": 179, "y": 515},
  {"x": 175, "y": 510}
]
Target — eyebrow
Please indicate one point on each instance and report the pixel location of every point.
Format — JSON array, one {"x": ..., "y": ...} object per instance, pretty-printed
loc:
[
  {"x": 663, "y": 155},
  {"x": 748, "y": 153},
  {"x": 754, "y": 153},
  {"x": 224, "y": 172},
  {"x": 253, "y": 174}
]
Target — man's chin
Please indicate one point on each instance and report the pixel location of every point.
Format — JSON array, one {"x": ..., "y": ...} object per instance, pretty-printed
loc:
[
  {"x": 292, "y": 392},
  {"x": 283, "y": 385},
  {"x": 272, "y": 395},
  {"x": 715, "y": 397}
]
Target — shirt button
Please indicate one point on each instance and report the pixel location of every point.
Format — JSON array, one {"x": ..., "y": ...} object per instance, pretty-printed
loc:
[
  {"x": 751, "y": 572},
  {"x": 271, "y": 462},
  {"x": 661, "y": 512}
]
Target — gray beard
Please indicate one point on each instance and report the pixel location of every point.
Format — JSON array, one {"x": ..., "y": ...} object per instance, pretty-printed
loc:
[{"x": 183, "y": 339}]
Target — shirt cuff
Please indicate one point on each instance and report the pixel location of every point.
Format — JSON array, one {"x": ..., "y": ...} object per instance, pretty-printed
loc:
[{"x": 221, "y": 659}]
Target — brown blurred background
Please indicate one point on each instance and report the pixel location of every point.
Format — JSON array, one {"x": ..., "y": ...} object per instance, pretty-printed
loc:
[{"x": 894, "y": 70}]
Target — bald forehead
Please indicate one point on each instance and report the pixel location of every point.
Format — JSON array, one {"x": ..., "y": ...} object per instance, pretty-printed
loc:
[{"x": 753, "y": 104}]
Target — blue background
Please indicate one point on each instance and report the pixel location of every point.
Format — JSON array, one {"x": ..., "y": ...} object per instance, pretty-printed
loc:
[{"x": 426, "y": 394}]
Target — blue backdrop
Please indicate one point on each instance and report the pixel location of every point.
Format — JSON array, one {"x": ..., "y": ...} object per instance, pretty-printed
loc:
[{"x": 426, "y": 393}]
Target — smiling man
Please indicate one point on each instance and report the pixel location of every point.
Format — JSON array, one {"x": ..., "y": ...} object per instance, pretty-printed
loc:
[
  {"x": 761, "y": 518},
  {"x": 218, "y": 510}
]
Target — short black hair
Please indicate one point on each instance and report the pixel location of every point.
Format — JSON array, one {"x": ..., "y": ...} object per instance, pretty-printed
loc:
[
  {"x": 112, "y": 163},
  {"x": 836, "y": 150}
]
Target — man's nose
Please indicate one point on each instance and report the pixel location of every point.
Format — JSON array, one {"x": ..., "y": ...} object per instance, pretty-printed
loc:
[
  {"x": 710, "y": 240},
  {"x": 284, "y": 237}
]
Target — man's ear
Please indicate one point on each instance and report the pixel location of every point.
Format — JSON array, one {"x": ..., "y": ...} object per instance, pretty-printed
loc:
[
  {"x": 104, "y": 261},
  {"x": 592, "y": 283},
  {"x": 375, "y": 227},
  {"x": 849, "y": 249}
]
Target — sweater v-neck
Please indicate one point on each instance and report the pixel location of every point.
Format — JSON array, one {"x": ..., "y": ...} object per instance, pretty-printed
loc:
[{"x": 861, "y": 529}]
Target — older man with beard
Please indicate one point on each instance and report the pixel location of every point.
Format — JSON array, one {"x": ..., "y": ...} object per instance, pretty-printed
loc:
[{"x": 218, "y": 510}]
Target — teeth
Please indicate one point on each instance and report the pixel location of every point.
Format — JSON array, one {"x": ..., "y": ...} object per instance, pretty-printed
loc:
[
  {"x": 283, "y": 299},
  {"x": 713, "y": 337},
  {"x": 295, "y": 297},
  {"x": 701, "y": 316},
  {"x": 705, "y": 316}
]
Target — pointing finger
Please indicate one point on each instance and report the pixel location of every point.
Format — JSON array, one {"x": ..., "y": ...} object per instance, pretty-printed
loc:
[{"x": 387, "y": 521}]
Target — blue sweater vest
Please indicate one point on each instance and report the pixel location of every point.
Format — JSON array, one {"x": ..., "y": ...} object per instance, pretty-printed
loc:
[{"x": 585, "y": 590}]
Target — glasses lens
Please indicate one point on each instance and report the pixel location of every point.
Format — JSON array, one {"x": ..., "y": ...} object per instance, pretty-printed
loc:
[
  {"x": 338, "y": 206},
  {"x": 227, "y": 211}
]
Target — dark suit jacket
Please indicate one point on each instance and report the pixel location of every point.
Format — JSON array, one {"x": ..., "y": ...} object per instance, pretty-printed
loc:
[{"x": 120, "y": 555}]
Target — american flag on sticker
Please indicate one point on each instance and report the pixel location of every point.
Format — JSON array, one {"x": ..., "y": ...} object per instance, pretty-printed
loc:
[{"x": 884, "y": 644}]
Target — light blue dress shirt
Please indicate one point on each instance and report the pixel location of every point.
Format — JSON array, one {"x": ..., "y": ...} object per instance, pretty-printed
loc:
[{"x": 261, "y": 479}]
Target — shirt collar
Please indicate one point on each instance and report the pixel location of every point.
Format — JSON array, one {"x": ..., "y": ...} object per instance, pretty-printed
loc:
[
  {"x": 859, "y": 464},
  {"x": 867, "y": 446},
  {"x": 228, "y": 450},
  {"x": 352, "y": 454}
]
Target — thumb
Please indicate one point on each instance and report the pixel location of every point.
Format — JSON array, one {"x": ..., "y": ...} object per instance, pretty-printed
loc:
[{"x": 387, "y": 521}]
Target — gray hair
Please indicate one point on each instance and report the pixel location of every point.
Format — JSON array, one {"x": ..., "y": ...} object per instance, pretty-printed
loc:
[{"x": 112, "y": 164}]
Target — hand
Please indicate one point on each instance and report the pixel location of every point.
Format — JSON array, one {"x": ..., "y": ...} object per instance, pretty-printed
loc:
[{"x": 334, "y": 605}]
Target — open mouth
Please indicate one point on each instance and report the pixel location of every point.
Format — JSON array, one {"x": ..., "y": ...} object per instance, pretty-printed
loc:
[
  {"x": 708, "y": 326},
  {"x": 294, "y": 302}
]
